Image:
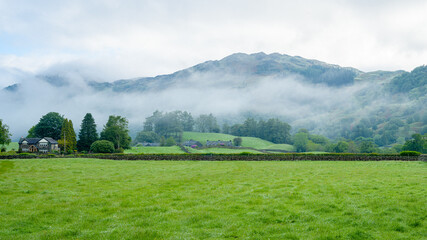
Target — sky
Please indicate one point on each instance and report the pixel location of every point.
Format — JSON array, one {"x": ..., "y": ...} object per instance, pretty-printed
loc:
[{"x": 136, "y": 38}]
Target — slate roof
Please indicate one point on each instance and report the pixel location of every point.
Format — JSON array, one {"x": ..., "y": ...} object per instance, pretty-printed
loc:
[
  {"x": 31, "y": 141},
  {"x": 51, "y": 140}
]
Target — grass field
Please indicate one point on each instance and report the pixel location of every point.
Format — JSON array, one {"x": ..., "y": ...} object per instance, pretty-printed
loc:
[
  {"x": 103, "y": 199},
  {"x": 172, "y": 149},
  {"x": 221, "y": 150},
  {"x": 251, "y": 142},
  {"x": 12, "y": 146},
  {"x": 285, "y": 147}
]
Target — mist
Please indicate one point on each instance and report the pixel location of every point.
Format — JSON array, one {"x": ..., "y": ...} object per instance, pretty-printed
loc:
[{"x": 229, "y": 97}]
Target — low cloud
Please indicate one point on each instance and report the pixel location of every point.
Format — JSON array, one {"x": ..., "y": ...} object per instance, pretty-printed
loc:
[{"x": 228, "y": 97}]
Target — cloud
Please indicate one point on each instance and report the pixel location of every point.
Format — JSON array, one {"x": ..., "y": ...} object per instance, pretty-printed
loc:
[
  {"x": 148, "y": 38},
  {"x": 227, "y": 97}
]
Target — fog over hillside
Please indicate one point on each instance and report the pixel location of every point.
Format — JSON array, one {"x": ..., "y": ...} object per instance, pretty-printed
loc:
[{"x": 237, "y": 86}]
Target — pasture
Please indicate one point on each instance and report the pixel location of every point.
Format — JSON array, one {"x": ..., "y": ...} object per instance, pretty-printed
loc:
[
  {"x": 104, "y": 199},
  {"x": 251, "y": 142}
]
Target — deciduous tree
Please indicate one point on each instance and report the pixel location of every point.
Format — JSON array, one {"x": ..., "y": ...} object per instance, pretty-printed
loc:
[
  {"x": 116, "y": 131},
  {"x": 4, "y": 134},
  {"x": 49, "y": 126}
]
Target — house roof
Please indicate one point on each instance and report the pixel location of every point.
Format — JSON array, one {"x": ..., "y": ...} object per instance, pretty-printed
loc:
[
  {"x": 30, "y": 140},
  {"x": 51, "y": 140}
]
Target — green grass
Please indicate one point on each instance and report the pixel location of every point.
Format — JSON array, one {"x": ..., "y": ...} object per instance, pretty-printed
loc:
[
  {"x": 285, "y": 147},
  {"x": 11, "y": 146},
  {"x": 252, "y": 142},
  {"x": 221, "y": 150},
  {"x": 104, "y": 199},
  {"x": 172, "y": 149}
]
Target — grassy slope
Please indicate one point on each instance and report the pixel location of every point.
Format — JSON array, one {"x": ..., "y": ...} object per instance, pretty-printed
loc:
[
  {"x": 221, "y": 150},
  {"x": 102, "y": 199},
  {"x": 12, "y": 145},
  {"x": 246, "y": 141},
  {"x": 173, "y": 149},
  {"x": 286, "y": 147}
]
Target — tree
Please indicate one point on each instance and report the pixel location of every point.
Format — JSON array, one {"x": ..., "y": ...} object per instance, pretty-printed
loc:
[
  {"x": 68, "y": 136},
  {"x": 417, "y": 143},
  {"x": 341, "y": 147},
  {"x": 87, "y": 134},
  {"x": 31, "y": 133},
  {"x": 49, "y": 126},
  {"x": 186, "y": 120},
  {"x": 4, "y": 134},
  {"x": 170, "y": 142},
  {"x": 237, "y": 142},
  {"x": 150, "y": 137},
  {"x": 102, "y": 146},
  {"x": 301, "y": 141},
  {"x": 207, "y": 123},
  {"x": 368, "y": 146},
  {"x": 116, "y": 131}
]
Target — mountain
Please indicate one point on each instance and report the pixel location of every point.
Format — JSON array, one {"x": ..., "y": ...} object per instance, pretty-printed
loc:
[
  {"x": 247, "y": 66},
  {"x": 385, "y": 106}
]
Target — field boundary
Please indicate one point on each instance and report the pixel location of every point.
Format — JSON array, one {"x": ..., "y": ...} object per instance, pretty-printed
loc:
[{"x": 231, "y": 157}]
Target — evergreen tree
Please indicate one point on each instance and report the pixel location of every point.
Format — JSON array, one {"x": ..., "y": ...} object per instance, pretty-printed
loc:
[
  {"x": 68, "y": 136},
  {"x": 87, "y": 134}
]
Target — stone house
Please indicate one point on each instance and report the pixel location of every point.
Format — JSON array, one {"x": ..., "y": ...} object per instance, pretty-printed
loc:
[
  {"x": 191, "y": 143},
  {"x": 219, "y": 143},
  {"x": 41, "y": 145}
]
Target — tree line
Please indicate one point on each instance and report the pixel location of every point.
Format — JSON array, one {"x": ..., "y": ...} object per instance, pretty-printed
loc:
[{"x": 57, "y": 127}]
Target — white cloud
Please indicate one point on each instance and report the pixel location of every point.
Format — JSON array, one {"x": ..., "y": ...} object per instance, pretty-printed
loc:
[{"x": 146, "y": 38}]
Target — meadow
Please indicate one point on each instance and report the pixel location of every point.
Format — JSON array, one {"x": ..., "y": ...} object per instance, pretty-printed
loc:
[
  {"x": 150, "y": 150},
  {"x": 251, "y": 142},
  {"x": 104, "y": 199}
]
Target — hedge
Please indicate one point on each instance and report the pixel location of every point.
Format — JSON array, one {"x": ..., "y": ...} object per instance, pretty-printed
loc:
[{"x": 236, "y": 157}]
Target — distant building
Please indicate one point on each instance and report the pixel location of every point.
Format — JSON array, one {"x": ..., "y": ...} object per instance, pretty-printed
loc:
[
  {"x": 192, "y": 143},
  {"x": 219, "y": 143},
  {"x": 34, "y": 145},
  {"x": 147, "y": 144}
]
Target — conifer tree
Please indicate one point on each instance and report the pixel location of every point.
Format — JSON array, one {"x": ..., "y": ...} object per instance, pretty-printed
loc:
[
  {"x": 87, "y": 134},
  {"x": 68, "y": 136}
]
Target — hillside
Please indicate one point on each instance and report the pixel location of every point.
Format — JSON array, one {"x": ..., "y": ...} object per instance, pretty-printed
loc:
[
  {"x": 250, "y": 142},
  {"x": 235, "y": 66},
  {"x": 323, "y": 98}
]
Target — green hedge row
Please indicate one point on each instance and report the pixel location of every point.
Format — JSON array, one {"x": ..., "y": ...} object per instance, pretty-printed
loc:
[
  {"x": 257, "y": 157},
  {"x": 234, "y": 157}
]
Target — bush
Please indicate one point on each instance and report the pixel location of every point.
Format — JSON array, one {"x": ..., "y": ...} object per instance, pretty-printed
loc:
[
  {"x": 245, "y": 153},
  {"x": 120, "y": 150},
  {"x": 237, "y": 142},
  {"x": 102, "y": 146},
  {"x": 170, "y": 142},
  {"x": 410, "y": 153},
  {"x": 3, "y": 149}
]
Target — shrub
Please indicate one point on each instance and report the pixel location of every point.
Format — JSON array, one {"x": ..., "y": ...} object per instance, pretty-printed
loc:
[
  {"x": 120, "y": 150},
  {"x": 102, "y": 146},
  {"x": 410, "y": 153},
  {"x": 170, "y": 142},
  {"x": 3, "y": 149},
  {"x": 237, "y": 142},
  {"x": 245, "y": 153}
]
